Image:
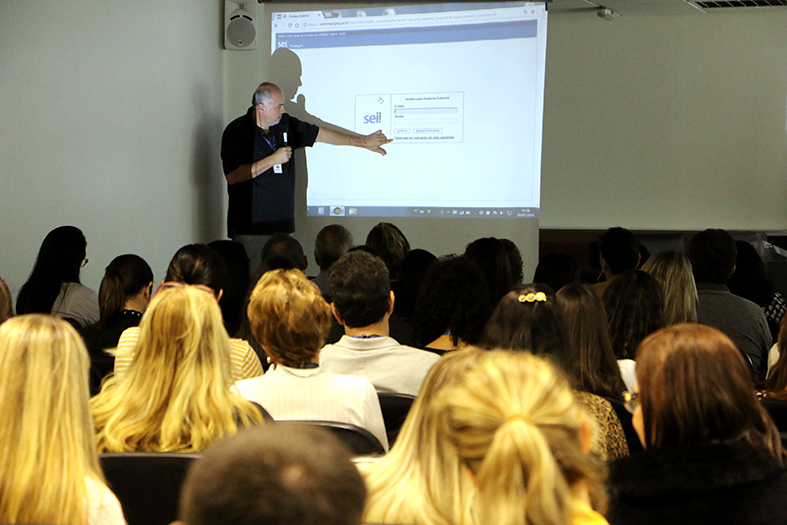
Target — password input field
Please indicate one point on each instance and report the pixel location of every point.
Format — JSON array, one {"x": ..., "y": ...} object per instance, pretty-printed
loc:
[{"x": 424, "y": 111}]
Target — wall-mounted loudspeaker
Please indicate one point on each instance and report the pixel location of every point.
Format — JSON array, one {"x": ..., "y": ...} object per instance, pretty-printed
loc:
[{"x": 240, "y": 24}]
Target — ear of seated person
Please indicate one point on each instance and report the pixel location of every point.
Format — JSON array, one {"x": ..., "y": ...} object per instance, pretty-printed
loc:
[
  {"x": 290, "y": 319},
  {"x": 363, "y": 303}
]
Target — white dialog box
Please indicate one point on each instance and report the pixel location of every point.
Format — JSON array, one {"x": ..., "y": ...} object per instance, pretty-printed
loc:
[{"x": 413, "y": 117}]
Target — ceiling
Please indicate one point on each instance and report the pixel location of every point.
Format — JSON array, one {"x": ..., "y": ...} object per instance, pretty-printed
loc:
[{"x": 648, "y": 7}]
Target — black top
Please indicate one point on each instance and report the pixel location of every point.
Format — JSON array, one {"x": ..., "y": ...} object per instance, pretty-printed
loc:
[
  {"x": 266, "y": 203},
  {"x": 97, "y": 341},
  {"x": 720, "y": 483}
]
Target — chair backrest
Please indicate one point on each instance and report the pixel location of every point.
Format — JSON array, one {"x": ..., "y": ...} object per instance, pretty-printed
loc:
[
  {"x": 147, "y": 485},
  {"x": 632, "y": 439},
  {"x": 395, "y": 408},
  {"x": 777, "y": 409},
  {"x": 360, "y": 441}
]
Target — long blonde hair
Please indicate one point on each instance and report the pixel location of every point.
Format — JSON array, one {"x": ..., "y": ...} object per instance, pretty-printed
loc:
[
  {"x": 514, "y": 425},
  {"x": 46, "y": 439},
  {"x": 418, "y": 482},
  {"x": 673, "y": 270},
  {"x": 176, "y": 395}
]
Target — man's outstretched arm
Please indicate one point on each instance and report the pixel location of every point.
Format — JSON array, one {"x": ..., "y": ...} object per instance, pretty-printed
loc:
[{"x": 372, "y": 142}]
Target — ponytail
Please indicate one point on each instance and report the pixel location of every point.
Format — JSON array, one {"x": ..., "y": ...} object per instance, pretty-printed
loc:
[
  {"x": 514, "y": 424},
  {"x": 125, "y": 277}
]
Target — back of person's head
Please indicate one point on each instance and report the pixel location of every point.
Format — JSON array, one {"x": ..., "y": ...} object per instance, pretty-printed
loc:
[
  {"x": 620, "y": 249},
  {"x": 332, "y": 242},
  {"x": 175, "y": 396},
  {"x": 634, "y": 303},
  {"x": 390, "y": 244},
  {"x": 515, "y": 260},
  {"x": 6, "y": 303},
  {"x": 419, "y": 478},
  {"x": 415, "y": 266},
  {"x": 454, "y": 298},
  {"x": 59, "y": 261},
  {"x": 528, "y": 318},
  {"x": 712, "y": 254},
  {"x": 124, "y": 277},
  {"x": 673, "y": 271},
  {"x": 749, "y": 279},
  {"x": 588, "y": 341},
  {"x": 514, "y": 424},
  {"x": 556, "y": 270},
  {"x": 238, "y": 281},
  {"x": 197, "y": 264},
  {"x": 289, "y": 317},
  {"x": 46, "y": 439},
  {"x": 284, "y": 474},
  {"x": 491, "y": 256},
  {"x": 286, "y": 245},
  {"x": 360, "y": 288},
  {"x": 696, "y": 388}
]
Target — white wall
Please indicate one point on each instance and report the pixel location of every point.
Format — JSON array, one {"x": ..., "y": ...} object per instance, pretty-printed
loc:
[
  {"x": 666, "y": 122},
  {"x": 112, "y": 115}
]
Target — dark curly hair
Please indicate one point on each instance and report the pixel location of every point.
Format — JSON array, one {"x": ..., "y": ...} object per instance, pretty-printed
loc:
[
  {"x": 360, "y": 288},
  {"x": 454, "y": 297},
  {"x": 634, "y": 303}
]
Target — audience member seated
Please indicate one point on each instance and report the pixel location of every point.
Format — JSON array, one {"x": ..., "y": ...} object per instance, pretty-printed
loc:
[
  {"x": 713, "y": 254},
  {"x": 285, "y": 474},
  {"x": 498, "y": 429},
  {"x": 712, "y": 454},
  {"x": 122, "y": 299},
  {"x": 290, "y": 318},
  {"x": 175, "y": 396},
  {"x": 529, "y": 320},
  {"x": 415, "y": 266},
  {"x": 416, "y": 481},
  {"x": 618, "y": 251},
  {"x": 363, "y": 303},
  {"x": 750, "y": 281},
  {"x": 491, "y": 256},
  {"x": 556, "y": 270},
  {"x": 288, "y": 246},
  {"x": 49, "y": 471},
  {"x": 588, "y": 340},
  {"x": 514, "y": 260},
  {"x": 634, "y": 303},
  {"x": 195, "y": 264},
  {"x": 453, "y": 306},
  {"x": 236, "y": 287},
  {"x": 6, "y": 304},
  {"x": 53, "y": 286},
  {"x": 390, "y": 244},
  {"x": 331, "y": 243},
  {"x": 776, "y": 383},
  {"x": 673, "y": 271}
]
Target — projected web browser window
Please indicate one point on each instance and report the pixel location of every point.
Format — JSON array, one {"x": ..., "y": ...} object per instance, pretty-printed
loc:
[{"x": 459, "y": 87}]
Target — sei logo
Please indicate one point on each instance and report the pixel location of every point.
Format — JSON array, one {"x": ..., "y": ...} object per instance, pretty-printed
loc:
[{"x": 373, "y": 119}]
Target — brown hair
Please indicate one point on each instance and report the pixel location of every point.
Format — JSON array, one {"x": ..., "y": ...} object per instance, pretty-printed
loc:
[
  {"x": 289, "y": 317},
  {"x": 776, "y": 385},
  {"x": 695, "y": 387},
  {"x": 634, "y": 303},
  {"x": 588, "y": 337}
]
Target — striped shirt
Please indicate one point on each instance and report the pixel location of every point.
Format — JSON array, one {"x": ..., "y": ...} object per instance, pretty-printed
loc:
[{"x": 245, "y": 363}]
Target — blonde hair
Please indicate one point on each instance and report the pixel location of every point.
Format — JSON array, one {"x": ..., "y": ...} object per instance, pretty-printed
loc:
[
  {"x": 46, "y": 439},
  {"x": 514, "y": 424},
  {"x": 176, "y": 395},
  {"x": 418, "y": 481},
  {"x": 673, "y": 271},
  {"x": 289, "y": 317}
]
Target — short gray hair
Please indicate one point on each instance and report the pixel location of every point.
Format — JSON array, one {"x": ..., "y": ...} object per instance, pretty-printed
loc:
[{"x": 264, "y": 94}]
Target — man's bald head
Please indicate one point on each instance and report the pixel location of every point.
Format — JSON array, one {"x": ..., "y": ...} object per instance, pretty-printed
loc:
[{"x": 264, "y": 94}]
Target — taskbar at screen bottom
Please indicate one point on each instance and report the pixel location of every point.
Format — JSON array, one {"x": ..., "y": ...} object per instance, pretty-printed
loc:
[{"x": 422, "y": 211}]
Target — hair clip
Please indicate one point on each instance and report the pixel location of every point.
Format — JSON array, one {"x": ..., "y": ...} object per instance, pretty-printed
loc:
[{"x": 531, "y": 297}]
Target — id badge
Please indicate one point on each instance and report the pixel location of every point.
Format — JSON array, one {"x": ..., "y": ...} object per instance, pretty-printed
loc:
[{"x": 277, "y": 169}]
